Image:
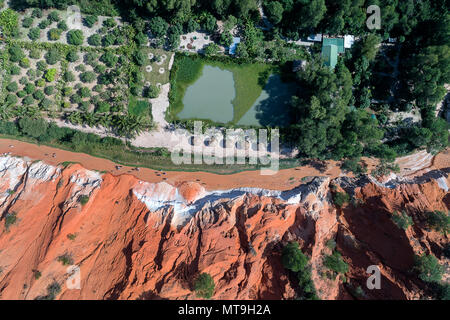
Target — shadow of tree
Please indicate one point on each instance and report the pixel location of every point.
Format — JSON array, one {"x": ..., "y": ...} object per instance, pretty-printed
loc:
[{"x": 274, "y": 110}]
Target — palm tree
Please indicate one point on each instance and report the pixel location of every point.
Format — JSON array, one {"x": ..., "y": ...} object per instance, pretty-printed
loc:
[
  {"x": 89, "y": 118},
  {"x": 74, "y": 118},
  {"x": 33, "y": 112},
  {"x": 5, "y": 113}
]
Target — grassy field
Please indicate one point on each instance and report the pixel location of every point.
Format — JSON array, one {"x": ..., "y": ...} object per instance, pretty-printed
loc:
[
  {"x": 139, "y": 107},
  {"x": 154, "y": 76},
  {"x": 249, "y": 81}
]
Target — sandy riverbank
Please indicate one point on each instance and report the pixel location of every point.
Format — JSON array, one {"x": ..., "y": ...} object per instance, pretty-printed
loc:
[{"x": 283, "y": 180}]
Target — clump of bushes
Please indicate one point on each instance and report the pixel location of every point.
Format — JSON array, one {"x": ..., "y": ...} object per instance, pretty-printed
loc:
[
  {"x": 428, "y": 268},
  {"x": 84, "y": 199},
  {"x": 294, "y": 260},
  {"x": 66, "y": 259},
  {"x": 75, "y": 37},
  {"x": 10, "y": 219},
  {"x": 340, "y": 198},
  {"x": 336, "y": 263},
  {"x": 438, "y": 221},
  {"x": 204, "y": 286},
  {"x": 53, "y": 290}
]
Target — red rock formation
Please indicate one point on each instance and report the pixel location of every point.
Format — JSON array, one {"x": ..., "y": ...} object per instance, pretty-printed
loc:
[{"x": 137, "y": 240}]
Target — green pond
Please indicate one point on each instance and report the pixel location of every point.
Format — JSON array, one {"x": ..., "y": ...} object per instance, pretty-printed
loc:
[{"x": 211, "y": 97}]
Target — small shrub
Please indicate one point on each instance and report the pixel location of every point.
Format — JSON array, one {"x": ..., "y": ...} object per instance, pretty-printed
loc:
[
  {"x": 50, "y": 75},
  {"x": 75, "y": 37},
  {"x": 66, "y": 259},
  {"x": 95, "y": 40},
  {"x": 336, "y": 263},
  {"x": 428, "y": 268},
  {"x": 54, "y": 34},
  {"x": 89, "y": 21},
  {"x": 37, "y": 274},
  {"x": 340, "y": 198},
  {"x": 53, "y": 16},
  {"x": 27, "y": 22},
  {"x": 49, "y": 90},
  {"x": 438, "y": 221},
  {"x": 10, "y": 219},
  {"x": 331, "y": 244},
  {"x": 84, "y": 199},
  {"x": 402, "y": 220},
  {"x": 204, "y": 286},
  {"x": 71, "y": 236},
  {"x": 34, "y": 34},
  {"x": 293, "y": 258}
]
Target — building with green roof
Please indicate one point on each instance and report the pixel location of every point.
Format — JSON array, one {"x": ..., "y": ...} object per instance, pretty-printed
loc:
[
  {"x": 330, "y": 55},
  {"x": 338, "y": 42}
]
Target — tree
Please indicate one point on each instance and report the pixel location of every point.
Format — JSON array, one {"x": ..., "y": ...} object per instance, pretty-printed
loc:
[
  {"x": 336, "y": 263},
  {"x": 62, "y": 25},
  {"x": 209, "y": 23},
  {"x": 33, "y": 127},
  {"x": 87, "y": 77},
  {"x": 109, "y": 58},
  {"x": 439, "y": 221},
  {"x": 192, "y": 25},
  {"x": 158, "y": 27},
  {"x": 95, "y": 40},
  {"x": 89, "y": 21},
  {"x": 72, "y": 56},
  {"x": 50, "y": 75},
  {"x": 110, "y": 23},
  {"x": 152, "y": 92},
  {"x": 75, "y": 37},
  {"x": 204, "y": 286},
  {"x": 15, "y": 53},
  {"x": 293, "y": 258},
  {"x": 428, "y": 268},
  {"x": 27, "y": 22},
  {"x": 52, "y": 56},
  {"x": 140, "y": 57},
  {"x": 54, "y": 34},
  {"x": 211, "y": 49},
  {"x": 9, "y": 22},
  {"x": 34, "y": 33},
  {"x": 274, "y": 11},
  {"x": 402, "y": 220},
  {"x": 141, "y": 39},
  {"x": 54, "y": 16},
  {"x": 12, "y": 87}
]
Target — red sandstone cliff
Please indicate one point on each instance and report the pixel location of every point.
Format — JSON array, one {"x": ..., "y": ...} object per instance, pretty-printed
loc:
[{"x": 138, "y": 240}]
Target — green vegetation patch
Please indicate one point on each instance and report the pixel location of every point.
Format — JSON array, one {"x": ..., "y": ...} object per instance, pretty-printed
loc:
[
  {"x": 402, "y": 220},
  {"x": 336, "y": 263},
  {"x": 294, "y": 260},
  {"x": 139, "y": 107},
  {"x": 204, "y": 286},
  {"x": 10, "y": 219}
]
